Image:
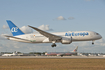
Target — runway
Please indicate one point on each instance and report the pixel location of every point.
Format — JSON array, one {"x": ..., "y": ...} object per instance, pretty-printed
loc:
[{"x": 54, "y": 57}]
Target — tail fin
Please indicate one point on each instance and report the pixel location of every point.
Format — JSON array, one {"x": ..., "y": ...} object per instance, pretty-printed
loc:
[
  {"x": 15, "y": 52},
  {"x": 14, "y": 29},
  {"x": 75, "y": 50}
]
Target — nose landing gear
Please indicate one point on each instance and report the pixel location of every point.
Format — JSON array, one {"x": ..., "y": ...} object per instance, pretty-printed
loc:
[{"x": 92, "y": 42}]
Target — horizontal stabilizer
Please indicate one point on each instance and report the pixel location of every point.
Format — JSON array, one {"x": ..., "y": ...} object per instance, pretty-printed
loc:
[{"x": 16, "y": 38}]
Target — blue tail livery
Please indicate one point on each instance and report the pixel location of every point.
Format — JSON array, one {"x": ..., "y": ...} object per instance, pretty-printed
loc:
[{"x": 14, "y": 29}]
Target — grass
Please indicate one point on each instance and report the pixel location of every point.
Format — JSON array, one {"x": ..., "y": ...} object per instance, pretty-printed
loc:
[{"x": 52, "y": 64}]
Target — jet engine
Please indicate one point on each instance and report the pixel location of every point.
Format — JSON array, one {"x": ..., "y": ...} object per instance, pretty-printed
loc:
[{"x": 66, "y": 40}]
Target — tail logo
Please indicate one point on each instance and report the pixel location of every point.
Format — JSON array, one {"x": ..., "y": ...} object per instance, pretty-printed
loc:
[{"x": 14, "y": 29}]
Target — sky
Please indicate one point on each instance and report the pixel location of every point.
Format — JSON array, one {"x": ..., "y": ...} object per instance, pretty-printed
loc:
[{"x": 53, "y": 16}]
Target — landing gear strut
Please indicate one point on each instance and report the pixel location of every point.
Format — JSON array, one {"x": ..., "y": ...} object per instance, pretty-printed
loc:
[{"x": 53, "y": 45}]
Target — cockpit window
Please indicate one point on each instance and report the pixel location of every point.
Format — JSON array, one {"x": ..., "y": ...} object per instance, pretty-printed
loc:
[{"x": 97, "y": 33}]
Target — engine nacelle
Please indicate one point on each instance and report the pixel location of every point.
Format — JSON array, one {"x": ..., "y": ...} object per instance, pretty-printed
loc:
[{"x": 66, "y": 40}]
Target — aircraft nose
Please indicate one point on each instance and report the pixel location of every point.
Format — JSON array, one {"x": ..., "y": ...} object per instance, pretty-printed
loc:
[{"x": 100, "y": 36}]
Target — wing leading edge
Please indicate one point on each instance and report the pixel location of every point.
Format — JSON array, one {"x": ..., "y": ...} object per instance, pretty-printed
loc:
[{"x": 51, "y": 37}]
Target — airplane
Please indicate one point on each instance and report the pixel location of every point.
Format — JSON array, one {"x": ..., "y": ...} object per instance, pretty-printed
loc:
[
  {"x": 13, "y": 54},
  {"x": 74, "y": 52},
  {"x": 46, "y": 37}
]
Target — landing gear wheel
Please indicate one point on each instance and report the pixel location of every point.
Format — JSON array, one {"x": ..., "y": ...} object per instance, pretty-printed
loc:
[
  {"x": 92, "y": 43},
  {"x": 53, "y": 45}
]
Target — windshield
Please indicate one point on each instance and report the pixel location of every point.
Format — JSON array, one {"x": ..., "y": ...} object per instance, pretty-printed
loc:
[{"x": 97, "y": 33}]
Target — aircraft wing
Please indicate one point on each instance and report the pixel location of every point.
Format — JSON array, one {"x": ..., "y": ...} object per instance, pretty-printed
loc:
[{"x": 51, "y": 37}]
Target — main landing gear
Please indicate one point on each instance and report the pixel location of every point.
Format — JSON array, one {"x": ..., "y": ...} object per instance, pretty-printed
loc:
[{"x": 53, "y": 45}]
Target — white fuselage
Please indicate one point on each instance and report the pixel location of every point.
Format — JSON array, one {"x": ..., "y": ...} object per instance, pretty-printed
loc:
[
  {"x": 76, "y": 36},
  {"x": 60, "y": 53},
  {"x": 9, "y": 54}
]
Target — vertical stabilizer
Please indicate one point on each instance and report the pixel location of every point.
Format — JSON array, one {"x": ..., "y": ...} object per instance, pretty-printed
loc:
[
  {"x": 14, "y": 29},
  {"x": 75, "y": 50}
]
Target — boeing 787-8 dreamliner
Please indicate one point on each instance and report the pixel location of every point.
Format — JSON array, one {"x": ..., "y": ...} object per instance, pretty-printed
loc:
[{"x": 45, "y": 37}]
